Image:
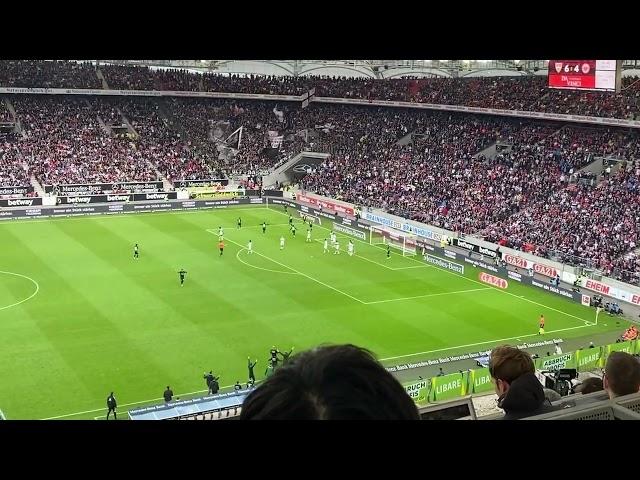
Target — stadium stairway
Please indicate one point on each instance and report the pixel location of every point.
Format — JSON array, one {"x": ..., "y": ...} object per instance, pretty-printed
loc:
[
  {"x": 36, "y": 186},
  {"x": 165, "y": 113},
  {"x": 100, "y": 76},
  {"x": 594, "y": 166},
  {"x": 406, "y": 140},
  {"x": 490, "y": 152},
  {"x": 103, "y": 125},
  {"x": 127, "y": 123},
  {"x": 12, "y": 110}
]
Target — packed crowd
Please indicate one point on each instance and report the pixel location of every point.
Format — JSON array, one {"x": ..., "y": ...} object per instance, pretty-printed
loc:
[
  {"x": 144, "y": 78},
  {"x": 438, "y": 177},
  {"x": 122, "y": 77},
  {"x": 438, "y": 174},
  {"x": 204, "y": 121},
  {"x": 12, "y": 166},
  {"x": 595, "y": 104},
  {"x": 65, "y": 144},
  {"x": 511, "y": 92},
  {"x": 523, "y": 194},
  {"x": 592, "y": 226},
  {"x": 48, "y": 74}
]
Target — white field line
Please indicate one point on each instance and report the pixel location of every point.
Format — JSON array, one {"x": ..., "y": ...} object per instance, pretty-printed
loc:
[
  {"x": 127, "y": 404},
  {"x": 421, "y": 262},
  {"x": 484, "y": 343},
  {"x": 29, "y": 297},
  {"x": 361, "y": 241},
  {"x": 261, "y": 268},
  {"x": 298, "y": 272},
  {"x": 382, "y": 360},
  {"x": 430, "y": 295},
  {"x": 412, "y": 266}
]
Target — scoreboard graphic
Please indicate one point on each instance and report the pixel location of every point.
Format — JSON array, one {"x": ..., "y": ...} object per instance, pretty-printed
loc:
[{"x": 603, "y": 75}]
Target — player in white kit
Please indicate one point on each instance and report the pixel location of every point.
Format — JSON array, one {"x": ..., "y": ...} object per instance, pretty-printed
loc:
[
  {"x": 350, "y": 248},
  {"x": 281, "y": 243},
  {"x": 250, "y": 247},
  {"x": 308, "y": 235},
  {"x": 337, "y": 246},
  {"x": 326, "y": 246}
]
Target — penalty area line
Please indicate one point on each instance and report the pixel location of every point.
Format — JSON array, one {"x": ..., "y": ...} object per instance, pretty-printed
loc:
[{"x": 298, "y": 272}]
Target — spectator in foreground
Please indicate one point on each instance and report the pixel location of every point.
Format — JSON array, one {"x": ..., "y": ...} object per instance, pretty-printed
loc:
[
  {"x": 621, "y": 375},
  {"x": 520, "y": 392},
  {"x": 341, "y": 382}
]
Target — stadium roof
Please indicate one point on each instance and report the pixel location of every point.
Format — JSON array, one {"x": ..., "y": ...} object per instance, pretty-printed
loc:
[
  {"x": 359, "y": 68},
  {"x": 370, "y": 68}
]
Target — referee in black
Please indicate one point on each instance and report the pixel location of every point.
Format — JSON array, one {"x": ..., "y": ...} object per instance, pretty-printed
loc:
[{"x": 112, "y": 405}]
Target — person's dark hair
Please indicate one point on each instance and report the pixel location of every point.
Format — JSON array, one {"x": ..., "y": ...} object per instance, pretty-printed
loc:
[
  {"x": 338, "y": 382},
  {"x": 590, "y": 385},
  {"x": 508, "y": 363},
  {"x": 623, "y": 373}
]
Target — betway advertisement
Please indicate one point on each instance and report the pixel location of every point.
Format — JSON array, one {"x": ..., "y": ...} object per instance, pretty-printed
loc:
[
  {"x": 21, "y": 202},
  {"x": 115, "y": 198},
  {"x": 472, "y": 247}
]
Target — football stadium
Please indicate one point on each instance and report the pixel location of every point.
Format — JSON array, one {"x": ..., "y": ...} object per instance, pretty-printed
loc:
[{"x": 326, "y": 239}]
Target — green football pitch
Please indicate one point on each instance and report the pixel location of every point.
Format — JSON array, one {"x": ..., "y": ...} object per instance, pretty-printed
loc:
[{"x": 79, "y": 317}]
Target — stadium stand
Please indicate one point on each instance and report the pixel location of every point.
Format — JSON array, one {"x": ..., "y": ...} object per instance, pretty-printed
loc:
[
  {"x": 48, "y": 74},
  {"x": 510, "y": 93},
  {"x": 437, "y": 177}
]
